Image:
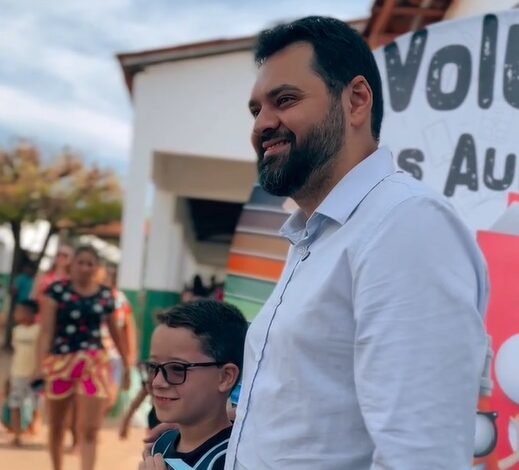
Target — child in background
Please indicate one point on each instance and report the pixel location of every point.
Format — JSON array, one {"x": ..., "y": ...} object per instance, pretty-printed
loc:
[
  {"x": 25, "y": 337},
  {"x": 23, "y": 282},
  {"x": 196, "y": 360}
]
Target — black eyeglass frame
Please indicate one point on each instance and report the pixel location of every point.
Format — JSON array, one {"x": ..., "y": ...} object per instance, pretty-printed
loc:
[{"x": 147, "y": 377}]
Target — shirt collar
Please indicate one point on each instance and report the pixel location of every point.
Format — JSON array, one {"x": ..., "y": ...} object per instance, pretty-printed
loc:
[{"x": 342, "y": 200}]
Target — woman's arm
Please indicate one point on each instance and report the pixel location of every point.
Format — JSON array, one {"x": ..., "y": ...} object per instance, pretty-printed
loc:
[{"x": 48, "y": 311}]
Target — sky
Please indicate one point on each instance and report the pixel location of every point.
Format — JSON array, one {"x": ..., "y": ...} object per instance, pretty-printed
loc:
[{"x": 61, "y": 85}]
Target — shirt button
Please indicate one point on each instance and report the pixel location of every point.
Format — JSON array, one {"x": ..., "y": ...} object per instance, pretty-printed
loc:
[{"x": 302, "y": 250}]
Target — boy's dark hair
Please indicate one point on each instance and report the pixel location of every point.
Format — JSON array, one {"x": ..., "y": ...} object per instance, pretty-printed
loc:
[
  {"x": 30, "y": 305},
  {"x": 220, "y": 327},
  {"x": 340, "y": 54}
]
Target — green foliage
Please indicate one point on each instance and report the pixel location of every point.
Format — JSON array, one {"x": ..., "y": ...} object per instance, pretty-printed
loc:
[{"x": 66, "y": 192}]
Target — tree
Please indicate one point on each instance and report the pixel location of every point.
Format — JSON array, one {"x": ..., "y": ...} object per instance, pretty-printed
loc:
[{"x": 65, "y": 192}]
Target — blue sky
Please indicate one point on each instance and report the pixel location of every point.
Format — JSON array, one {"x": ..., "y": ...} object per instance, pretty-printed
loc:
[{"x": 60, "y": 83}]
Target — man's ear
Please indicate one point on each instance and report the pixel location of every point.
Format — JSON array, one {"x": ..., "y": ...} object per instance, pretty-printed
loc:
[
  {"x": 359, "y": 99},
  {"x": 229, "y": 374}
]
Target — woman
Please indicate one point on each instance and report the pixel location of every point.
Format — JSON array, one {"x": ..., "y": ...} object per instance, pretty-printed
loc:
[
  {"x": 74, "y": 363},
  {"x": 59, "y": 271}
]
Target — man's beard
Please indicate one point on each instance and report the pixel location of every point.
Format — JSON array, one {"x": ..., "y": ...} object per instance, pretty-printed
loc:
[{"x": 288, "y": 174}]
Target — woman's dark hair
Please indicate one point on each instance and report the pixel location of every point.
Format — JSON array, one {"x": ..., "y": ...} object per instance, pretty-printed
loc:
[
  {"x": 340, "y": 54},
  {"x": 86, "y": 249},
  {"x": 220, "y": 327}
]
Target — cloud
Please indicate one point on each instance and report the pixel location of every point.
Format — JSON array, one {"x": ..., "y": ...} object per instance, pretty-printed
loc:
[
  {"x": 78, "y": 127},
  {"x": 59, "y": 79}
]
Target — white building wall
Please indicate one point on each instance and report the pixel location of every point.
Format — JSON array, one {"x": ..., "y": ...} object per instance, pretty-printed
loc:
[
  {"x": 196, "y": 106},
  {"x": 166, "y": 246}
]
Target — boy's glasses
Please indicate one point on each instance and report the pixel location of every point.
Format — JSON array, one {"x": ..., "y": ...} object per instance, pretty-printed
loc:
[{"x": 174, "y": 373}]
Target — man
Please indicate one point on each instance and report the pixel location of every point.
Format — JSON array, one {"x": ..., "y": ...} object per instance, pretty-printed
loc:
[{"x": 368, "y": 354}]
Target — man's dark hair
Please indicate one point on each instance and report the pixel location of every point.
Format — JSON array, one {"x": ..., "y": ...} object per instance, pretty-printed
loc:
[
  {"x": 220, "y": 327},
  {"x": 340, "y": 54},
  {"x": 30, "y": 305}
]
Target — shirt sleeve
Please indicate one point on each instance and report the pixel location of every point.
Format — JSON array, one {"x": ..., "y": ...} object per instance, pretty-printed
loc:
[
  {"x": 110, "y": 301},
  {"x": 419, "y": 289},
  {"x": 55, "y": 291}
]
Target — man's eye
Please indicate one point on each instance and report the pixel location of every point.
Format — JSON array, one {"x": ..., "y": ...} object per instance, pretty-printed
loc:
[
  {"x": 284, "y": 100},
  {"x": 254, "y": 112}
]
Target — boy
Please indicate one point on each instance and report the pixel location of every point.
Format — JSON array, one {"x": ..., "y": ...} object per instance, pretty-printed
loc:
[
  {"x": 25, "y": 337},
  {"x": 196, "y": 360}
]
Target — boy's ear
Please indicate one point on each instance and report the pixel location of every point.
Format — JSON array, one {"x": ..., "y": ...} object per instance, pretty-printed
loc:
[{"x": 229, "y": 377}]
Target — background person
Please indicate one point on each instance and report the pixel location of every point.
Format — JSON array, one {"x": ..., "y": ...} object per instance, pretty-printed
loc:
[
  {"x": 123, "y": 316},
  {"x": 59, "y": 271},
  {"x": 74, "y": 363},
  {"x": 153, "y": 421},
  {"x": 25, "y": 337}
]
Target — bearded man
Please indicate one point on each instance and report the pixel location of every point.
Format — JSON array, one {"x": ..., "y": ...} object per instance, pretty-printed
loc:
[{"x": 369, "y": 352}]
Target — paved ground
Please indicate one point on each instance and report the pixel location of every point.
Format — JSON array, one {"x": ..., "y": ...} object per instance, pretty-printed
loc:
[{"x": 113, "y": 453}]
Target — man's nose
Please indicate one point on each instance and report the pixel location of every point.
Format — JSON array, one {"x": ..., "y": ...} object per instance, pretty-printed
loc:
[{"x": 266, "y": 120}]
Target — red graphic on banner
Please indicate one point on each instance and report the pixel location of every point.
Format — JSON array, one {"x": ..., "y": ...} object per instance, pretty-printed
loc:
[{"x": 501, "y": 251}]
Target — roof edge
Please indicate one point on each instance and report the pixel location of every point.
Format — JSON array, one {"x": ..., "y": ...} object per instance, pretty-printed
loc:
[{"x": 134, "y": 62}]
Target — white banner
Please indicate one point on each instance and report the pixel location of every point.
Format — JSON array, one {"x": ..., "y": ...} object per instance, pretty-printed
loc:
[{"x": 452, "y": 110}]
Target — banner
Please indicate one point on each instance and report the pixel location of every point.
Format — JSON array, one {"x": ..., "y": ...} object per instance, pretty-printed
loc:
[{"x": 452, "y": 120}]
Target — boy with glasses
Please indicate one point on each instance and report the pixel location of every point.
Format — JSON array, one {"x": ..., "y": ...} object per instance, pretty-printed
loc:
[{"x": 195, "y": 362}]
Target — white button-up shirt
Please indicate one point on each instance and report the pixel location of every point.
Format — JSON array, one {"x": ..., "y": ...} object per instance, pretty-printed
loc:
[{"x": 369, "y": 352}]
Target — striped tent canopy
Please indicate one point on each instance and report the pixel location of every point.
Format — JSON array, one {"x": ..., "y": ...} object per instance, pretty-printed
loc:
[{"x": 258, "y": 253}]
